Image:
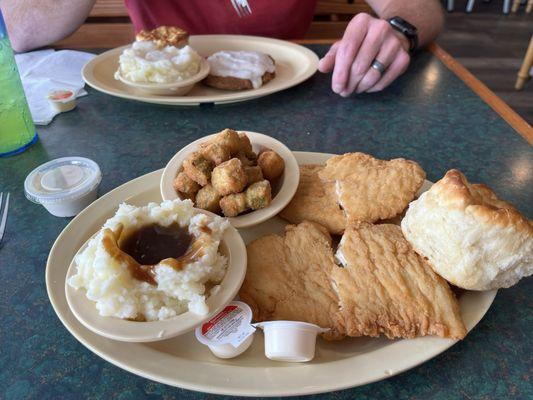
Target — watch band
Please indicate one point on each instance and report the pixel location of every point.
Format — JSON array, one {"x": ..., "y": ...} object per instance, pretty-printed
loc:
[{"x": 409, "y": 31}]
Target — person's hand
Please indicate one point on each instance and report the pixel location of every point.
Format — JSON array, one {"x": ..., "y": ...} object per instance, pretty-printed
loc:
[{"x": 366, "y": 39}]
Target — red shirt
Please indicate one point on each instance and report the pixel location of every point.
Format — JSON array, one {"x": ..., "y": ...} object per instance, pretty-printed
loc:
[{"x": 285, "y": 19}]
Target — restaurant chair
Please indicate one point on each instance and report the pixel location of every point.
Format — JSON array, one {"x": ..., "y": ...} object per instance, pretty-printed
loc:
[
  {"x": 506, "y": 6},
  {"x": 525, "y": 71},
  {"x": 516, "y": 5},
  {"x": 450, "y": 5}
]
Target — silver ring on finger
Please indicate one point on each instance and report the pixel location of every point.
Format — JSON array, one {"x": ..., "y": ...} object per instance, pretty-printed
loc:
[{"x": 377, "y": 65}]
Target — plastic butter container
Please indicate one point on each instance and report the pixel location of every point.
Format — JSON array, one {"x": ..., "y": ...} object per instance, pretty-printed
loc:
[
  {"x": 290, "y": 341},
  {"x": 229, "y": 333},
  {"x": 64, "y": 186},
  {"x": 62, "y": 100}
]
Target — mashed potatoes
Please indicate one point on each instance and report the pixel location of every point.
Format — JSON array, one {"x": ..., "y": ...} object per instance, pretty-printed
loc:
[
  {"x": 109, "y": 282},
  {"x": 144, "y": 62}
]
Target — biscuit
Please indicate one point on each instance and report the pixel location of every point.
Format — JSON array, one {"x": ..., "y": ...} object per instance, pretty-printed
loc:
[
  {"x": 315, "y": 201},
  {"x": 165, "y": 36},
  {"x": 470, "y": 237},
  {"x": 369, "y": 189}
]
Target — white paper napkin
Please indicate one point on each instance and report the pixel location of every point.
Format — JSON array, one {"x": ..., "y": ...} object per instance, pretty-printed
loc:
[{"x": 45, "y": 70}]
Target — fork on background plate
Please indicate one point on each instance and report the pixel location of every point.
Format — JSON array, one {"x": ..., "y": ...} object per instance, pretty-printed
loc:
[
  {"x": 241, "y": 7},
  {"x": 4, "y": 208}
]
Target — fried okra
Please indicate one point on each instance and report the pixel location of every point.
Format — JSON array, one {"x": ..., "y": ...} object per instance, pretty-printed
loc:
[
  {"x": 229, "y": 177},
  {"x": 233, "y": 204},
  {"x": 253, "y": 174},
  {"x": 230, "y": 139},
  {"x": 198, "y": 168},
  {"x": 259, "y": 195},
  {"x": 208, "y": 199},
  {"x": 271, "y": 164},
  {"x": 246, "y": 162},
  {"x": 185, "y": 186},
  {"x": 216, "y": 152},
  {"x": 246, "y": 146}
]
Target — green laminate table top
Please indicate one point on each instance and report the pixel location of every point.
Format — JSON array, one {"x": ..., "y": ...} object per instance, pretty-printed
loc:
[{"x": 428, "y": 115}]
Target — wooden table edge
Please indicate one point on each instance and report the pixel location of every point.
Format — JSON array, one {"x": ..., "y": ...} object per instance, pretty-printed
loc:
[
  {"x": 519, "y": 124},
  {"x": 488, "y": 96}
]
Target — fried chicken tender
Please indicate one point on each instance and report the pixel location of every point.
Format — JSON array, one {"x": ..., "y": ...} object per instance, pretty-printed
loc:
[
  {"x": 217, "y": 153},
  {"x": 315, "y": 201},
  {"x": 230, "y": 139},
  {"x": 198, "y": 168},
  {"x": 233, "y": 204},
  {"x": 369, "y": 189},
  {"x": 254, "y": 174},
  {"x": 185, "y": 186},
  {"x": 259, "y": 195},
  {"x": 271, "y": 164},
  {"x": 229, "y": 177},
  {"x": 383, "y": 288},
  {"x": 288, "y": 278},
  {"x": 387, "y": 288},
  {"x": 208, "y": 199}
]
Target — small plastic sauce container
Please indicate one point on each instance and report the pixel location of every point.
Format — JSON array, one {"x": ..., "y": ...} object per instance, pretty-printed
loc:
[
  {"x": 62, "y": 100},
  {"x": 229, "y": 333},
  {"x": 290, "y": 341},
  {"x": 64, "y": 186}
]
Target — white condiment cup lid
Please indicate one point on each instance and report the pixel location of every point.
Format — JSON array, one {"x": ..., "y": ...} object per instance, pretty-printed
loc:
[
  {"x": 229, "y": 329},
  {"x": 66, "y": 178},
  {"x": 290, "y": 341}
]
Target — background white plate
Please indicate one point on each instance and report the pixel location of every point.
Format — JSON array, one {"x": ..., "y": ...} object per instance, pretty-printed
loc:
[
  {"x": 294, "y": 64},
  {"x": 184, "y": 362}
]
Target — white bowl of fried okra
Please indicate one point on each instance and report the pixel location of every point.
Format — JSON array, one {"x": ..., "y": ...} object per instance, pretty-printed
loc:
[{"x": 245, "y": 176}]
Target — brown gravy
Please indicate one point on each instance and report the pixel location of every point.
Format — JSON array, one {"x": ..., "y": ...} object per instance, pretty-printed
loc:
[
  {"x": 143, "y": 249},
  {"x": 154, "y": 243}
]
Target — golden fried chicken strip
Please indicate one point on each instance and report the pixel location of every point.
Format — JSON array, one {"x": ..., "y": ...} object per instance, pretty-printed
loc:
[
  {"x": 386, "y": 288},
  {"x": 315, "y": 201},
  {"x": 288, "y": 278},
  {"x": 369, "y": 189}
]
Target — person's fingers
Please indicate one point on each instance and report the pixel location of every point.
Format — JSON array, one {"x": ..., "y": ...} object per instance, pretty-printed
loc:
[
  {"x": 327, "y": 62},
  {"x": 348, "y": 48},
  {"x": 398, "y": 67},
  {"x": 368, "y": 51},
  {"x": 386, "y": 55}
]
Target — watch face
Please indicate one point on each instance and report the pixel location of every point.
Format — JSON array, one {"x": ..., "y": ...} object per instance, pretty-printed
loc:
[{"x": 404, "y": 26}]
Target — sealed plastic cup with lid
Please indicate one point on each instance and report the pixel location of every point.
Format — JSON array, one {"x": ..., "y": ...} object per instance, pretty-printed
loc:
[
  {"x": 64, "y": 186},
  {"x": 290, "y": 341},
  {"x": 229, "y": 333}
]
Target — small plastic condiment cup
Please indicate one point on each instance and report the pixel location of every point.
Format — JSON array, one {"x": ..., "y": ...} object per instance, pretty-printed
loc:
[
  {"x": 229, "y": 333},
  {"x": 290, "y": 341},
  {"x": 62, "y": 100},
  {"x": 64, "y": 186}
]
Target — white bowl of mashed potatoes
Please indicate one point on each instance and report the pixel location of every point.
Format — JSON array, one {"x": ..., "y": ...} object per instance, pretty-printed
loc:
[
  {"x": 164, "y": 71},
  {"x": 155, "y": 272}
]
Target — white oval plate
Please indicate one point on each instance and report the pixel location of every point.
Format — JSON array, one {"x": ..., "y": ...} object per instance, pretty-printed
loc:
[
  {"x": 294, "y": 64},
  {"x": 281, "y": 197},
  {"x": 184, "y": 362},
  {"x": 85, "y": 310}
]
